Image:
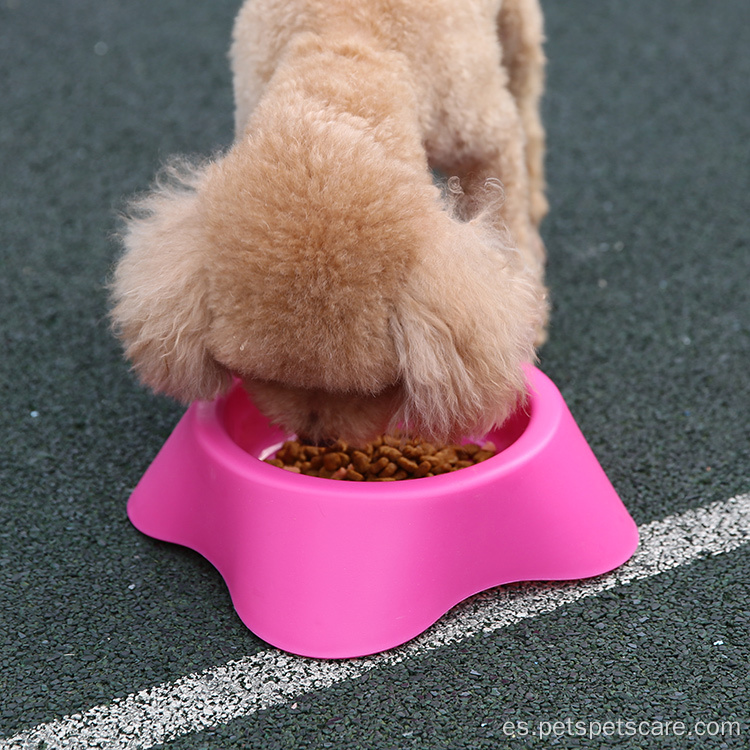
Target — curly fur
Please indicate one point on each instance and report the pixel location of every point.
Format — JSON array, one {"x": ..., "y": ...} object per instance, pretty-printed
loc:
[{"x": 318, "y": 260}]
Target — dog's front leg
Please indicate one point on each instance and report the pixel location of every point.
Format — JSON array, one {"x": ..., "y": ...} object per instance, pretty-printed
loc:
[
  {"x": 520, "y": 29},
  {"x": 494, "y": 161}
]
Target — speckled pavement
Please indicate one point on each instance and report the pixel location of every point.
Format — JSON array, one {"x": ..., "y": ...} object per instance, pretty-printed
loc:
[{"x": 648, "y": 119}]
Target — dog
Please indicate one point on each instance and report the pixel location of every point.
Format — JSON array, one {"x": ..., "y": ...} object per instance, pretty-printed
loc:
[{"x": 366, "y": 254}]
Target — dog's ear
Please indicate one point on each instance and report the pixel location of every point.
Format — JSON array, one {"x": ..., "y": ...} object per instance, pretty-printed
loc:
[
  {"x": 159, "y": 290},
  {"x": 463, "y": 331}
]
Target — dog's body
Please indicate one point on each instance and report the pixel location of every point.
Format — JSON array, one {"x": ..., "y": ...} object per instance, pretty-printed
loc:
[{"x": 318, "y": 260}]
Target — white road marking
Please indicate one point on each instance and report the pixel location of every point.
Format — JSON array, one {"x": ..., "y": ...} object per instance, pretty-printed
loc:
[{"x": 239, "y": 688}]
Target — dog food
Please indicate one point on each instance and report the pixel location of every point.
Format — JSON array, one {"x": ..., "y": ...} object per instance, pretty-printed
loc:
[{"x": 386, "y": 459}]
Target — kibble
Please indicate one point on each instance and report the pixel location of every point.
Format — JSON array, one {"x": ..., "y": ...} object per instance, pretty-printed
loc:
[{"x": 388, "y": 458}]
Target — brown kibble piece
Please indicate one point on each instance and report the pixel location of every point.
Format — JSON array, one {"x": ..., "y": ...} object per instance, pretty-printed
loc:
[
  {"x": 407, "y": 464},
  {"x": 413, "y": 451},
  {"x": 390, "y": 452},
  {"x": 482, "y": 456},
  {"x": 360, "y": 461},
  {"x": 446, "y": 456},
  {"x": 289, "y": 452},
  {"x": 379, "y": 465},
  {"x": 389, "y": 470},
  {"x": 423, "y": 469},
  {"x": 442, "y": 468},
  {"x": 332, "y": 461}
]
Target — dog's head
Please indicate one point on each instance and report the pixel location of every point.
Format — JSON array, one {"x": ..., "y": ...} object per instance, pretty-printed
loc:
[{"x": 345, "y": 307}]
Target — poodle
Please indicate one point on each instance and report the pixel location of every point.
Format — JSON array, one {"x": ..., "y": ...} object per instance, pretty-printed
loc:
[{"x": 366, "y": 254}]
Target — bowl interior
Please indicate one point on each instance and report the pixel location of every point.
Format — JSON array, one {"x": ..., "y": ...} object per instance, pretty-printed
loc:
[{"x": 252, "y": 431}]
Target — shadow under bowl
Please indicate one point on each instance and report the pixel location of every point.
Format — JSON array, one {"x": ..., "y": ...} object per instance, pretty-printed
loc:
[{"x": 336, "y": 569}]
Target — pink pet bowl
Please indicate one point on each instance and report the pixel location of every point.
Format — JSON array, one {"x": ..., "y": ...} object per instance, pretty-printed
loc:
[{"x": 335, "y": 569}]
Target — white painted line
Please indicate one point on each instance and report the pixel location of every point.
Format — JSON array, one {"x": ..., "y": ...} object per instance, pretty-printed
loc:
[{"x": 239, "y": 688}]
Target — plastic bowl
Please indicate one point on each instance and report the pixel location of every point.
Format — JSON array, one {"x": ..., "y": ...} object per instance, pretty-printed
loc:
[{"x": 335, "y": 569}]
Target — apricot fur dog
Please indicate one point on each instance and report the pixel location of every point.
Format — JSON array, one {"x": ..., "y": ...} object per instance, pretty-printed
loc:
[{"x": 318, "y": 259}]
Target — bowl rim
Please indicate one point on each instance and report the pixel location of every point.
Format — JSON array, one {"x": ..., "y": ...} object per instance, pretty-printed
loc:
[{"x": 544, "y": 407}]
